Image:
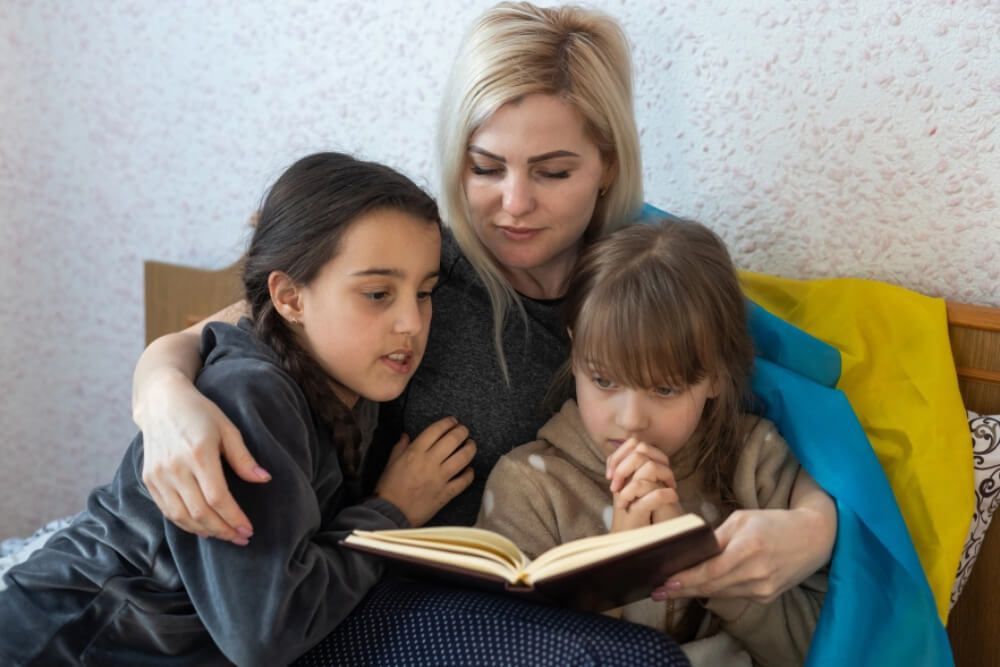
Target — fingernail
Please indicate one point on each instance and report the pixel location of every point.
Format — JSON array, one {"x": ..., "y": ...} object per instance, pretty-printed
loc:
[
  {"x": 241, "y": 541},
  {"x": 245, "y": 531},
  {"x": 659, "y": 595},
  {"x": 673, "y": 585},
  {"x": 261, "y": 473}
]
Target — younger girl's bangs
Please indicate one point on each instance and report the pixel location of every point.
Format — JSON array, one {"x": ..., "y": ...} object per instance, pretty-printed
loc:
[{"x": 629, "y": 331}]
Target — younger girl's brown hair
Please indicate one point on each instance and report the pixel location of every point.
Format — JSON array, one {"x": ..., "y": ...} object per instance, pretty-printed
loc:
[{"x": 661, "y": 304}]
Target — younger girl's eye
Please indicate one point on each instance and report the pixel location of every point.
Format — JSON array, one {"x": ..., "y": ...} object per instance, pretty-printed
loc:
[
  {"x": 376, "y": 296},
  {"x": 602, "y": 383},
  {"x": 664, "y": 391},
  {"x": 425, "y": 295}
]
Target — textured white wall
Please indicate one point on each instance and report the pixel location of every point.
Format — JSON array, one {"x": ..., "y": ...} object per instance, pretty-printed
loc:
[{"x": 821, "y": 138}]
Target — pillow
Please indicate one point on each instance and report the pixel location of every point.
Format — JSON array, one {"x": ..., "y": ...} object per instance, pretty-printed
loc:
[{"x": 986, "y": 467}]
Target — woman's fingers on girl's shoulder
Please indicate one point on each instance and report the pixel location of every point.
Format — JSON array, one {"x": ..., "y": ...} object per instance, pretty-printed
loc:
[
  {"x": 236, "y": 454},
  {"x": 222, "y": 517}
]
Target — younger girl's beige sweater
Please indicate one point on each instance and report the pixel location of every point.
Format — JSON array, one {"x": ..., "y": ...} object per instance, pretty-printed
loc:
[{"x": 553, "y": 490}]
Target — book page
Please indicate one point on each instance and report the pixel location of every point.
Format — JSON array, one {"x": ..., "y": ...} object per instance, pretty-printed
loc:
[
  {"x": 467, "y": 559},
  {"x": 581, "y": 552},
  {"x": 475, "y": 542}
]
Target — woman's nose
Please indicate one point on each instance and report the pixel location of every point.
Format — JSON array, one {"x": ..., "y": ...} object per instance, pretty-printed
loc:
[{"x": 518, "y": 196}]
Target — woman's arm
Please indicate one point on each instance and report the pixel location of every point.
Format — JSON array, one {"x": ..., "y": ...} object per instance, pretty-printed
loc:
[
  {"x": 764, "y": 552},
  {"x": 184, "y": 435},
  {"x": 779, "y": 631}
]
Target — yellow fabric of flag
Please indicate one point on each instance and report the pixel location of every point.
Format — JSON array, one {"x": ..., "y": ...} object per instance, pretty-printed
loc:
[{"x": 899, "y": 376}]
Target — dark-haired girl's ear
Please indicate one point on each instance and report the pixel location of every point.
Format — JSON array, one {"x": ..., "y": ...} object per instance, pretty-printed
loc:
[
  {"x": 286, "y": 295},
  {"x": 569, "y": 332}
]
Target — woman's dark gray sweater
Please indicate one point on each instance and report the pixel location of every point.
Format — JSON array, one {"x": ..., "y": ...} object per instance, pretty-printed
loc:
[{"x": 460, "y": 375}]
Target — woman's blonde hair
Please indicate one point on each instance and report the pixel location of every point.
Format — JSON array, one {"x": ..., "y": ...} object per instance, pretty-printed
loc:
[
  {"x": 661, "y": 305},
  {"x": 517, "y": 49}
]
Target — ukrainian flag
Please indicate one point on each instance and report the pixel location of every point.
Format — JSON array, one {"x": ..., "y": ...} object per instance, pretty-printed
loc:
[{"x": 858, "y": 377}]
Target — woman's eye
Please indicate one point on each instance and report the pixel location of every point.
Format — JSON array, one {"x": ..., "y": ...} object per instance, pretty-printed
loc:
[
  {"x": 665, "y": 391},
  {"x": 376, "y": 296},
  {"x": 554, "y": 174},
  {"x": 483, "y": 171}
]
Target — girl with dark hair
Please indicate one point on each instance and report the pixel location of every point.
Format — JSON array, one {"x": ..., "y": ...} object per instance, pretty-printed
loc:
[
  {"x": 338, "y": 278},
  {"x": 661, "y": 356}
]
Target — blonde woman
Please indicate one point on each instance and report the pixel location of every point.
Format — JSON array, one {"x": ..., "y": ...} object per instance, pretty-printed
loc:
[{"x": 539, "y": 155}]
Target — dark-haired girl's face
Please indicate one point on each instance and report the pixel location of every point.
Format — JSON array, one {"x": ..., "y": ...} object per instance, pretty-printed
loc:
[{"x": 366, "y": 315}]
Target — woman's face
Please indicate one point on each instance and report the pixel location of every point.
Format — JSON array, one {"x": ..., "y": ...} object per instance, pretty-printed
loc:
[{"x": 532, "y": 180}]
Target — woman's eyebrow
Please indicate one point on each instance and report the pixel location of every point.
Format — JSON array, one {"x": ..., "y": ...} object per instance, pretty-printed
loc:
[{"x": 531, "y": 160}]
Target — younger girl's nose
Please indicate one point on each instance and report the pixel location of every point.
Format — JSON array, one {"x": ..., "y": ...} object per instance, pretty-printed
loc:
[{"x": 631, "y": 416}]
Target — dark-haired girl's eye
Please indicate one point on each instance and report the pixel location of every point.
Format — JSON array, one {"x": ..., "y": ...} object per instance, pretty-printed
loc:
[{"x": 376, "y": 296}]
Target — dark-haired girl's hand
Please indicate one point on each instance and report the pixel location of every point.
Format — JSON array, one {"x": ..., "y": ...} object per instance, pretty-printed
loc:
[{"x": 422, "y": 476}]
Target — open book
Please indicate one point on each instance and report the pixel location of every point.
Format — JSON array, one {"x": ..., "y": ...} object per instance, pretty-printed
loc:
[{"x": 595, "y": 573}]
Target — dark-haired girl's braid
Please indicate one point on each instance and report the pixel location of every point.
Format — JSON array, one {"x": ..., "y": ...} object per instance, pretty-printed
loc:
[{"x": 274, "y": 331}]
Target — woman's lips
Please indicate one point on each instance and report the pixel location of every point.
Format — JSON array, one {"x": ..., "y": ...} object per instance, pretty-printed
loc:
[{"x": 519, "y": 233}]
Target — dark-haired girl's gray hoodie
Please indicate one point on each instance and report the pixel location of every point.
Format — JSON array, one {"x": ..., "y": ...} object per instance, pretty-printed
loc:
[{"x": 124, "y": 586}]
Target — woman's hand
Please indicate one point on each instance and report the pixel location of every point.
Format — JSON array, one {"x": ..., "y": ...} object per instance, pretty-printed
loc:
[
  {"x": 184, "y": 437},
  {"x": 421, "y": 477},
  {"x": 642, "y": 486},
  {"x": 764, "y": 552}
]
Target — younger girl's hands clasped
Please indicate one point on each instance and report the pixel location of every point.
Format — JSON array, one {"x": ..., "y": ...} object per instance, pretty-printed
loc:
[
  {"x": 642, "y": 485},
  {"x": 423, "y": 475}
]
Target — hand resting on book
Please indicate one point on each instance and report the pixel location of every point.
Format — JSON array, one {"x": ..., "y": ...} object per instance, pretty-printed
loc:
[{"x": 764, "y": 552}]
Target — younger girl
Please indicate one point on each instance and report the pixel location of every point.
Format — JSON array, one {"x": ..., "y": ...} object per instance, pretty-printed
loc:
[
  {"x": 338, "y": 278},
  {"x": 660, "y": 357}
]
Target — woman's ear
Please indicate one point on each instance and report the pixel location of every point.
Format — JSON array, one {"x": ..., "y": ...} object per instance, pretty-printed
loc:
[
  {"x": 608, "y": 175},
  {"x": 569, "y": 332},
  {"x": 286, "y": 295}
]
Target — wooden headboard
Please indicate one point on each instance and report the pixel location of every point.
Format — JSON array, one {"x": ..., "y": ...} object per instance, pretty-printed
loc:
[
  {"x": 179, "y": 296},
  {"x": 974, "y": 624}
]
